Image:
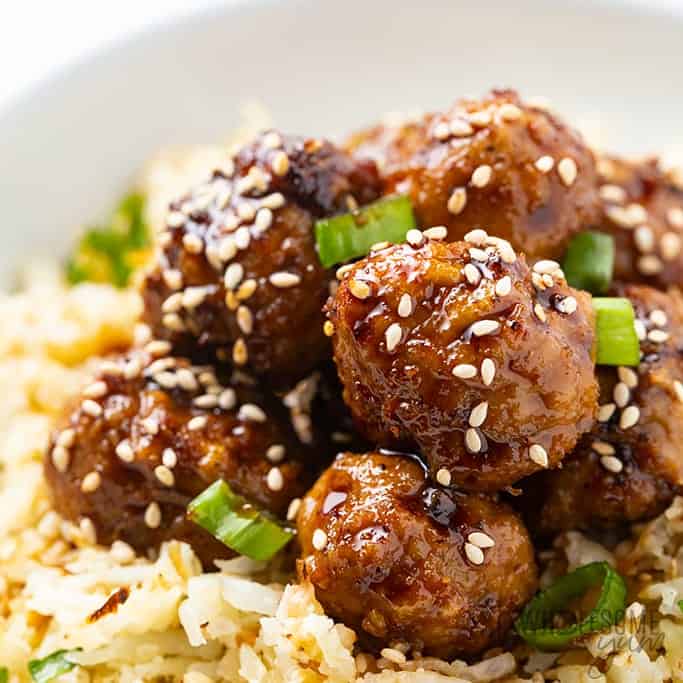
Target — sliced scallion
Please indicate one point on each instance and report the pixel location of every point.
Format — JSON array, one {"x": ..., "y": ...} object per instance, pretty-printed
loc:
[
  {"x": 589, "y": 262},
  {"x": 350, "y": 235},
  {"x": 56, "y": 664},
  {"x": 615, "y": 331},
  {"x": 4, "y": 674},
  {"x": 236, "y": 523}
]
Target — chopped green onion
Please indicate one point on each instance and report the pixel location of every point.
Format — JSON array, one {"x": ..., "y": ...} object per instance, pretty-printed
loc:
[
  {"x": 56, "y": 664},
  {"x": 589, "y": 262},
  {"x": 350, "y": 235},
  {"x": 239, "y": 525},
  {"x": 615, "y": 331},
  {"x": 4, "y": 674},
  {"x": 534, "y": 624},
  {"x": 680, "y": 605}
]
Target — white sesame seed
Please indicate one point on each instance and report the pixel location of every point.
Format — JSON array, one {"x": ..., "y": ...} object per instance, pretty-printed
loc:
[
  {"x": 91, "y": 408},
  {"x": 150, "y": 425},
  {"x": 457, "y": 201},
  {"x": 606, "y": 411},
  {"x": 478, "y": 414},
  {"x": 650, "y": 265},
  {"x": 227, "y": 399},
  {"x": 658, "y": 318},
  {"x": 414, "y": 237},
  {"x": 612, "y": 193},
  {"x": 629, "y": 417},
  {"x": 621, "y": 394},
  {"x": 405, "y": 305},
  {"x": 474, "y": 554},
  {"x": 48, "y": 527},
  {"x": 540, "y": 312},
  {"x": 473, "y": 440},
  {"x": 245, "y": 320},
  {"x": 480, "y": 118},
  {"x": 539, "y": 455},
  {"x": 109, "y": 367},
  {"x": 194, "y": 296},
  {"x": 164, "y": 475},
  {"x": 359, "y": 289},
  {"x": 478, "y": 254},
  {"x": 246, "y": 211},
  {"x": 60, "y": 458},
  {"x": 280, "y": 163},
  {"x": 246, "y": 289},
  {"x": 293, "y": 509},
  {"x": 173, "y": 303},
  {"x": 641, "y": 331},
  {"x": 233, "y": 275},
  {"x": 628, "y": 376},
  {"x": 175, "y": 219},
  {"x": 644, "y": 239},
  {"x": 284, "y": 280},
  {"x": 603, "y": 448},
  {"x": 132, "y": 368},
  {"x": 503, "y": 286},
  {"x": 240, "y": 354},
  {"x": 273, "y": 201},
  {"x": 252, "y": 413},
  {"x": 472, "y": 274},
  {"x": 169, "y": 458},
  {"x": 441, "y": 131},
  {"x": 510, "y": 112},
  {"x": 121, "y": 552},
  {"x": 443, "y": 476},
  {"x": 507, "y": 253},
  {"x": 481, "y": 176},
  {"x": 567, "y": 171},
  {"x": 198, "y": 422},
  {"x": 485, "y": 327},
  {"x": 460, "y": 128},
  {"x": 627, "y": 217},
  {"x": 568, "y": 305},
  {"x": 96, "y": 390},
  {"x": 158, "y": 347},
  {"x": 242, "y": 238},
  {"x": 678, "y": 390},
  {"x": 393, "y": 336},
  {"x": 438, "y": 232},
  {"x": 205, "y": 401},
  {"x": 611, "y": 463},
  {"x": 544, "y": 164},
  {"x": 275, "y": 453},
  {"x": 263, "y": 220},
  {"x": 173, "y": 322},
  {"x": 319, "y": 540},
  {"x": 670, "y": 246},
  {"x": 125, "y": 451},
  {"x": 87, "y": 529},
  {"x": 465, "y": 371},
  {"x": 481, "y": 540},
  {"x": 546, "y": 266},
  {"x": 393, "y": 655},
  {"x": 658, "y": 336},
  {"x": 66, "y": 438},
  {"x": 91, "y": 482},
  {"x": 675, "y": 217},
  {"x": 193, "y": 243},
  {"x": 153, "y": 516},
  {"x": 488, "y": 371},
  {"x": 167, "y": 380},
  {"x": 478, "y": 237},
  {"x": 227, "y": 249}
]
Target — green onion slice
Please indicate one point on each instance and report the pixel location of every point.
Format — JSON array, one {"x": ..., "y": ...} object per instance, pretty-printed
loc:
[
  {"x": 615, "y": 331},
  {"x": 4, "y": 674},
  {"x": 239, "y": 525},
  {"x": 589, "y": 262},
  {"x": 533, "y": 624},
  {"x": 56, "y": 664},
  {"x": 350, "y": 235}
]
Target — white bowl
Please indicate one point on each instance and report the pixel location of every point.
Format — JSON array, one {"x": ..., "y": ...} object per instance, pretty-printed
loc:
[{"x": 68, "y": 147}]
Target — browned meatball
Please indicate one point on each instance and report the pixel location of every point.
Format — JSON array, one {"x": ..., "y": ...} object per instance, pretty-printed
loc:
[
  {"x": 399, "y": 558},
  {"x": 150, "y": 434},
  {"x": 643, "y": 209},
  {"x": 462, "y": 351},
  {"x": 238, "y": 268},
  {"x": 630, "y": 465},
  {"x": 496, "y": 163}
]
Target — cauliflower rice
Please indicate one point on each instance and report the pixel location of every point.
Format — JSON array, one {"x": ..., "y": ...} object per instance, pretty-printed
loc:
[{"x": 149, "y": 618}]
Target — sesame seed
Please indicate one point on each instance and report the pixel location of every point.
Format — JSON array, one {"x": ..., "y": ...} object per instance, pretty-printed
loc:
[
  {"x": 621, "y": 394},
  {"x": 109, "y": 367},
  {"x": 246, "y": 211},
  {"x": 627, "y": 217},
  {"x": 91, "y": 408},
  {"x": 465, "y": 371},
  {"x": 480, "y": 118},
  {"x": 227, "y": 249},
  {"x": 344, "y": 270},
  {"x": 193, "y": 243},
  {"x": 675, "y": 217},
  {"x": 628, "y": 377},
  {"x": 284, "y": 280},
  {"x": 125, "y": 451},
  {"x": 503, "y": 286},
  {"x": 132, "y": 368},
  {"x": 158, "y": 347},
  {"x": 198, "y": 422},
  {"x": 242, "y": 238},
  {"x": 658, "y": 318},
  {"x": 227, "y": 399},
  {"x": 153, "y": 516},
  {"x": 478, "y": 237},
  {"x": 639, "y": 327},
  {"x": 510, "y": 112},
  {"x": 272, "y": 140},
  {"x": 251, "y": 412},
  {"x": 173, "y": 322},
  {"x": 473, "y": 440},
  {"x": 405, "y": 305},
  {"x": 393, "y": 655},
  {"x": 393, "y": 336},
  {"x": 603, "y": 448},
  {"x": 206, "y": 401},
  {"x": 443, "y": 476},
  {"x": 567, "y": 171},
  {"x": 66, "y": 438},
  {"x": 568, "y": 305},
  {"x": 488, "y": 371},
  {"x": 233, "y": 275},
  {"x": 481, "y": 176},
  {"x": 441, "y": 131},
  {"x": 273, "y": 201},
  {"x": 540, "y": 312},
  {"x": 379, "y": 246},
  {"x": 121, "y": 552},
  {"x": 478, "y": 254},
  {"x": 546, "y": 266},
  {"x": 319, "y": 540},
  {"x": 275, "y": 453},
  {"x": 472, "y": 274},
  {"x": 87, "y": 528},
  {"x": 328, "y": 328},
  {"x": 474, "y": 554},
  {"x": 150, "y": 425},
  {"x": 293, "y": 509},
  {"x": 483, "y": 328},
  {"x": 539, "y": 455},
  {"x": 280, "y": 163},
  {"x": 173, "y": 303},
  {"x": 606, "y": 411},
  {"x": 644, "y": 239},
  {"x": 438, "y": 232},
  {"x": 245, "y": 320},
  {"x": 263, "y": 220},
  {"x": 91, "y": 482},
  {"x": 246, "y": 289},
  {"x": 167, "y": 380},
  {"x": 611, "y": 463},
  {"x": 48, "y": 527},
  {"x": 169, "y": 458},
  {"x": 359, "y": 289},
  {"x": 175, "y": 219},
  {"x": 164, "y": 475},
  {"x": 460, "y": 128},
  {"x": 544, "y": 164},
  {"x": 60, "y": 458},
  {"x": 481, "y": 540},
  {"x": 507, "y": 253},
  {"x": 650, "y": 265},
  {"x": 240, "y": 355},
  {"x": 678, "y": 389},
  {"x": 629, "y": 417},
  {"x": 414, "y": 237},
  {"x": 478, "y": 414},
  {"x": 670, "y": 246},
  {"x": 457, "y": 201},
  {"x": 194, "y": 296},
  {"x": 658, "y": 336},
  {"x": 612, "y": 193}
]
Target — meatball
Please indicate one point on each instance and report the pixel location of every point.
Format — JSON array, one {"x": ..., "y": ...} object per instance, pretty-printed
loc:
[
  {"x": 629, "y": 466},
  {"x": 238, "y": 270},
  {"x": 401, "y": 559},
  {"x": 462, "y": 351},
  {"x": 496, "y": 163},
  {"x": 149, "y": 434},
  {"x": 643, "y": 210}
]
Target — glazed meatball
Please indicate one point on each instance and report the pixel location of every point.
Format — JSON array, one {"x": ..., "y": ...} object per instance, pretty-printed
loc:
[
  {"x": 629, "y": 466},
  {"x": 643, "y": 210},
  {"x": 496, "y": 163},
  {"x": 401, "y": 559},
  {"x": 149, "y": 434},
  {"x": 460, "y": 350},
  {"x": 238, "y": 270}
]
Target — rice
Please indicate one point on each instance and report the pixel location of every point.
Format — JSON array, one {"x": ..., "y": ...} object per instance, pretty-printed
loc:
[{"x": 246, "y": 621}]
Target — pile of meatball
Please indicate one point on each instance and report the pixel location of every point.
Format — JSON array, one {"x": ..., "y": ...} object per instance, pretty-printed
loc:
[{"x": 421, "y": 413}]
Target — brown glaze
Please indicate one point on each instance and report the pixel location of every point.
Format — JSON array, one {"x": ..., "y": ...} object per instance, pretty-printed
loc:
[
  {"x": 232, "y": 446},
  {"x": 544, "y": 391},
  {"x": 395, "y": 567},
  {"x": 283, "y": 336},
  {"x": 643, "y": 210},
  {"x": 584, "y": 494},
  {"x": 536, "y": 211}
]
